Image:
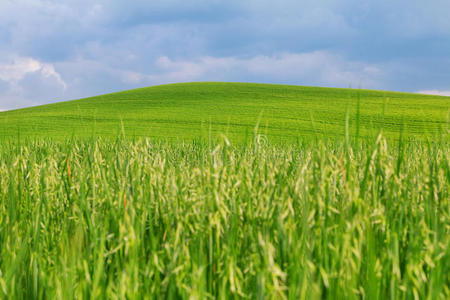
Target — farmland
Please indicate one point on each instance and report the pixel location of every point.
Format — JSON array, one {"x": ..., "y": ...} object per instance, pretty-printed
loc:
[
  {"x": 134, "y": 219},
  {"x": 215, "y": 190}
]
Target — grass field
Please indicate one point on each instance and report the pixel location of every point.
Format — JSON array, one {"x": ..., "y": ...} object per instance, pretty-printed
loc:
[
  {"x": 184, "y": 192},
  {"x": 133, "y": 220},
  {"x": 197, "y": 110}
]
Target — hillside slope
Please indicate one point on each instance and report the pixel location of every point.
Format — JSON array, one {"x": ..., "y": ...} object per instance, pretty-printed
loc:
[{"x": 194, "y": 110}]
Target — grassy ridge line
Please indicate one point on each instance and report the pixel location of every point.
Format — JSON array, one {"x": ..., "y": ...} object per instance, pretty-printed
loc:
[
  {"x": 194, "y": 110},
  {"x": 102, "y": 219}
]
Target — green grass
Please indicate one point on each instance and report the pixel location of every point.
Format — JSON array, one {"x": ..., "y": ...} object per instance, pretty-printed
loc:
[
  {"x": 353, "y": 204},
  {"x": 203, "y": 110},
  {"x": 137, "y": 219}
]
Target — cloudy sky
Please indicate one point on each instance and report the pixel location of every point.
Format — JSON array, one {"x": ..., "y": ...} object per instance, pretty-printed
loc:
[{"x": 53, "y": 50}]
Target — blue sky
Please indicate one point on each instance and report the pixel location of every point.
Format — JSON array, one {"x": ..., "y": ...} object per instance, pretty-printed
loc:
[{"x": 53, "y": 50}]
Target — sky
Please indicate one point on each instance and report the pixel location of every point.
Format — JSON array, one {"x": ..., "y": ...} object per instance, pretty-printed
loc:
[{"x": 55, "y": 50}]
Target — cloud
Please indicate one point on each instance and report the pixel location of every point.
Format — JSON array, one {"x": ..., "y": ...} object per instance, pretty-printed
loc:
[
  {"x": 28, "y": 81},
  {"x": 310, "y": 68},
  {"x": 435, "y": 92},
  {"x": 76, "y": 48},
  {"x": 16, "y": 69}
]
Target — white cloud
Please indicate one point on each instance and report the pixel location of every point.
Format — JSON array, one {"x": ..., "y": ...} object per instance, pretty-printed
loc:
[
  {"x": 26, "y": 81},
  {"x": 311, "y": 68},
  {"x": 16, "y": 70},
  {"x": 435, "y": 92}
]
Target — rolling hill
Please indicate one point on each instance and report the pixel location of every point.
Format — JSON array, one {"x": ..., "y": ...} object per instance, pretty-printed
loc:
[{"x": 200, "y": 110}]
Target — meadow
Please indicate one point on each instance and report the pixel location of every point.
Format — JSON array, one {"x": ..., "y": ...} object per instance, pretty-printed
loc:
[
  {"x": 353, "y": 205},
  {"x": 206, "y": 110}
]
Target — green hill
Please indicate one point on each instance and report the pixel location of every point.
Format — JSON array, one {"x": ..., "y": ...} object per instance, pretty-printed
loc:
[{"x": 195, "y": 110}]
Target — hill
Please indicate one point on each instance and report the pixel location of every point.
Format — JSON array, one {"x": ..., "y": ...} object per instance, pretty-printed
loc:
[{"x": 195, "y": 110}]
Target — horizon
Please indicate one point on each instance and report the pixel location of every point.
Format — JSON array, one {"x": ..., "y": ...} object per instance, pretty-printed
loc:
[{"x": 424, "y": 93}]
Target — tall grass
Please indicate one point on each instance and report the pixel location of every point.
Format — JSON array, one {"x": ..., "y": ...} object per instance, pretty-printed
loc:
[{"x": 136, "y": 219}]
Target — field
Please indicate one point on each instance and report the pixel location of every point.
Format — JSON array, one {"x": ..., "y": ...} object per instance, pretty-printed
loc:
[
  {"x": 139, "y": 219},
  {"x": 205, "y": 191},
  {"x": 206, "y": 110}
]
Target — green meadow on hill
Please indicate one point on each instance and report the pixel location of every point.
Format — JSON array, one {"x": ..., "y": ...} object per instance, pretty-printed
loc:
[{"x": 200, "y": 110}]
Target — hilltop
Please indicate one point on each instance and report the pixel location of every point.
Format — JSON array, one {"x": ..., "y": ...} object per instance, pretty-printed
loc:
[{"x": 200, "y": 110}]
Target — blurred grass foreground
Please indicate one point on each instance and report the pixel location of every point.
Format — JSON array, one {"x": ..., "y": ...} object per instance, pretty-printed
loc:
[{"x": 142, "y": 219}]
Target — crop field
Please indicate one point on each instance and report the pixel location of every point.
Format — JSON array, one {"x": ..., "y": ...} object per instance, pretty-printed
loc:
[
  {"x": 137, "y": 219},
  {"x": 227, "y": 191},
  {"x": 206, "y": 110}
]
